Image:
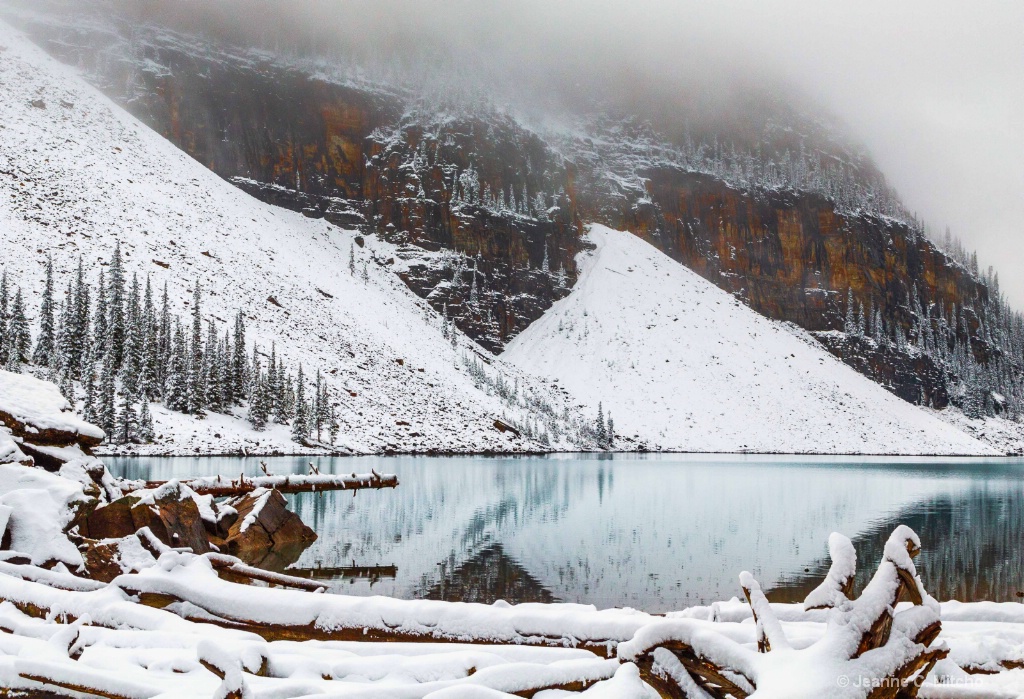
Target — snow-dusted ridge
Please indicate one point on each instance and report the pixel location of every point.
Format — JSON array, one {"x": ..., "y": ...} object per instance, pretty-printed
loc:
[
  {"x": 78, "y": 174},
  {"x": 687, "y": 367}
]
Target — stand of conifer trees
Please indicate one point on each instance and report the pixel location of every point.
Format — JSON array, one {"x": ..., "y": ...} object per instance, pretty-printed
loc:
[{"x": 113, "y": 348}]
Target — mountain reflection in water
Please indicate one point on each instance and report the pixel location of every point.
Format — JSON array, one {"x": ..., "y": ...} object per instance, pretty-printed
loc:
[{"x": 655, "y": 532}]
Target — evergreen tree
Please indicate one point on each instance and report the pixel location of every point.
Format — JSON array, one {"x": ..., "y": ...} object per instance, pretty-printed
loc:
[
  {"x": 100, "y": 329},
  {"x": 89, "y": 407},
  {"x": 332, "y": 424},
  {"x": 259, "y": 405},
  {"x": 352, "y": 260},
  {"x": 146, "y": 433},
  {"x": 610, "y": 435},
  {"x": 115, "y": 308},
  {"x": 149, "y": 381},
  {"x": 316, "y": 417},
  {"x": 212, "y": 370},
  {"x": 4, "y": 302},
  {"x": 105, "y": 409},
  {"x": 300, "y": 425},
  {"x": 80, "y": 322},
  {"x": 196, "y": 389},
  {"x": 165, "y": 341},
  {"x": 849, "y": 324},
  {"x": 127, "y": 421},
  {"x": 600, "y": 431},
  {"x": 66, "y": 339},
  {"x": 132, "y": 360},
  {"x": 239, "y": 380},
  {"x": 45, "y": 343},
  {"x": 176, "y": 383},
  {"x": 19, "y": 338}
]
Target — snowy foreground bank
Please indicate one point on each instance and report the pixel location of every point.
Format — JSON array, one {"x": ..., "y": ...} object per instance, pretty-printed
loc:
[
  {"x": 172, "y": 626},
  {"x": 157, "y": 611}
]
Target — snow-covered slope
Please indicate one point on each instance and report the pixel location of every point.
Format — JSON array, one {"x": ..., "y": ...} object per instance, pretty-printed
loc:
[
  {"x": 687, "y": 367},
  {"x": 78, "y": 174}
]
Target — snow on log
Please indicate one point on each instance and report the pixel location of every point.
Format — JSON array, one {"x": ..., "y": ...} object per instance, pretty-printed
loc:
[
  {"x": 838, "y": 584},
  {"x": 218, "y": 486},
  {"x": 35, "y": 411},
  {"x": 866, "y": 643}
]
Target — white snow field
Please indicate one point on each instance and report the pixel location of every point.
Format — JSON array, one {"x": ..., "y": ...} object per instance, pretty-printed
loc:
[
  {"x": 687, "y": 367},
  {"x": 78, "y": 174}
]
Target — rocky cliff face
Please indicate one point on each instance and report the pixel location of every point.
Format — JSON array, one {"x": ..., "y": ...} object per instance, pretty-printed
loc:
[{"x": 490, "y": 214}]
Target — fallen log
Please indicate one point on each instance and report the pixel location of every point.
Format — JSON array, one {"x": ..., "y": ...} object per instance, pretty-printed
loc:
[
  {"x": 234, "y": 566},
  {"x": 866, "y": 639},
  {"x": 219, "y": 486}
]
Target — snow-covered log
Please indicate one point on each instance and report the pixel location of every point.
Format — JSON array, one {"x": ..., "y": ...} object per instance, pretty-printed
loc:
[
  {"x": 218, "y": 486},
  {"x": 838, "y": 584},
  {"x": 868, "y": 649}
]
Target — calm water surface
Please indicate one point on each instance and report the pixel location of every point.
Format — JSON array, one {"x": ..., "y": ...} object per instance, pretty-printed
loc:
[{"x": 653, "y": 532}]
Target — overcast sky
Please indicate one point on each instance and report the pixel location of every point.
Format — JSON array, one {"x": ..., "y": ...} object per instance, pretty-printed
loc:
[{"x": 936, "y": 91}]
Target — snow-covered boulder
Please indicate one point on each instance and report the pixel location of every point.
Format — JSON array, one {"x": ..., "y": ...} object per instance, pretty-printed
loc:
[
  {"x": 9, "y": 451},
  {"x": 35, "y": 411},
  {"x": 35, "y": 508}
]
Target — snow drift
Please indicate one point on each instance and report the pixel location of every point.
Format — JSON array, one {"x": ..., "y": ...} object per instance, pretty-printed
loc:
[{"x": 687, "y": 367}]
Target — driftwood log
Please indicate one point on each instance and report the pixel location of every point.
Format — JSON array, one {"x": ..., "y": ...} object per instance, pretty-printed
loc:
[
  {"x": 219, "y": 486},
  {"x": 889, "y": 653}
]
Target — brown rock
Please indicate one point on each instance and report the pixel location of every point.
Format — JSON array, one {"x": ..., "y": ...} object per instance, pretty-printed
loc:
[
  {"x": 273, "y": 525},
  {"x": 111, "y": 521},
  {"x": 173, "y": 519}
]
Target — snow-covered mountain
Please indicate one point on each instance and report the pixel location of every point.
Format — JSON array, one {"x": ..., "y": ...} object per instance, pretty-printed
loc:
[
  {"x": 675, "y": 360},
  {"x": 684, "y": 365},
  {"x": 78, "y": 174}
]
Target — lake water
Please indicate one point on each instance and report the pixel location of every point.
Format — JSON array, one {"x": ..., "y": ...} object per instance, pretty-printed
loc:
[{"x": 657, "y": 532}]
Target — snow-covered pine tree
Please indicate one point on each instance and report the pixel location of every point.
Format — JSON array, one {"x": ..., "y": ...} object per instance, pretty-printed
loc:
[
  {"x": 134, "y": 338},
  {"x": 610, "y": 434},
  {"x": 332, "y": 424},
  {"x": 45, "y": 343},
  {"x": 317, "y": 413},
  {"x": 239, "y": 368},
  {"x": 259, "y": 405},
  {"x": 849, "y": 324},
  {"x": 106, "y": 413},
  {"x": 600, "y": 427},
  {"x": 89, "y": 401},
  {"x": 300, "y": 424},
  {"x": 150, "y": 385},
  {"x": 83, "y": 309},
  {"x": 146, "y": 433},
  {"x": 473, "y": 296},
  {"x": 19, "y": 337},
  {"x": 127, "y": 421},
  {"x": 165, "y": 341},
  {"x": 115, "y": 308},
  {"x": 196, "y": 387},
  {"x": 352, "y": 259},
  {"x": 212, "y": 365},
  {"x": 100, "y": 320},
  {"x": 4, "y": 309},
  {"x": 176, "y": 382}
]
